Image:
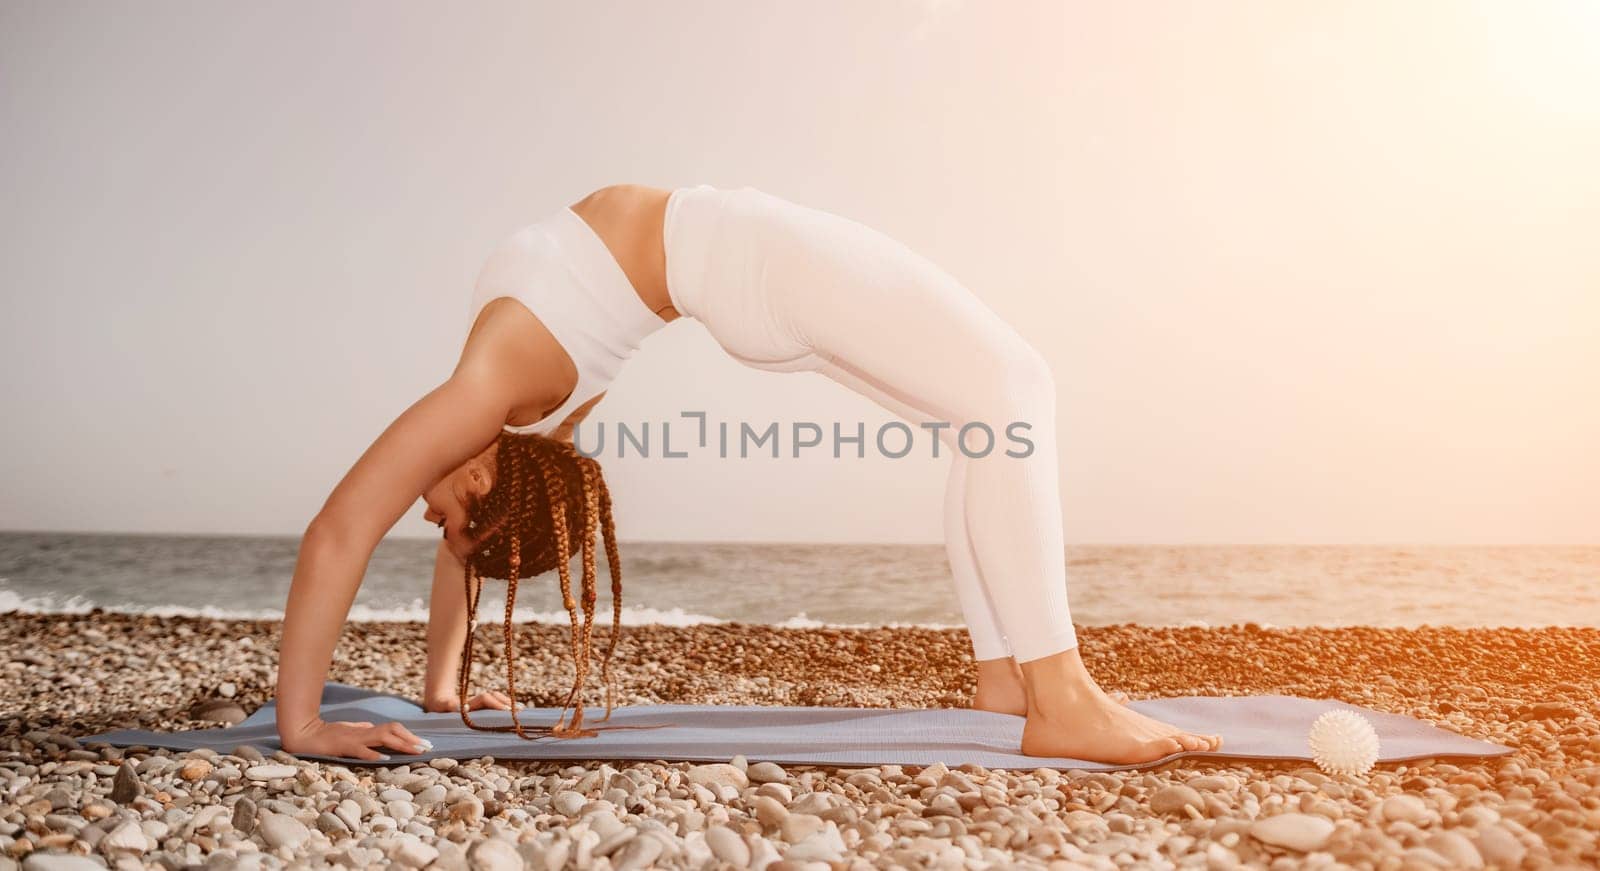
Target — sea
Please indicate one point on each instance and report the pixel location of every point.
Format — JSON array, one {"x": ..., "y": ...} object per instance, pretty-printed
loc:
[{"x": 812, "y": 585}]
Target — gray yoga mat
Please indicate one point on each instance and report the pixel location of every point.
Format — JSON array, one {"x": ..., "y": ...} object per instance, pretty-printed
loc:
[{"x": 1252, "y": 727}]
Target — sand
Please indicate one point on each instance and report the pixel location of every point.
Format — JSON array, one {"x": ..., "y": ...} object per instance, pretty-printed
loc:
[{"x": 62, "y": 802}]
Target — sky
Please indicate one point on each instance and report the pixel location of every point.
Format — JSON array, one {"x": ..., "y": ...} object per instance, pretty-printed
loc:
[{"x": 1304, "y": 273}]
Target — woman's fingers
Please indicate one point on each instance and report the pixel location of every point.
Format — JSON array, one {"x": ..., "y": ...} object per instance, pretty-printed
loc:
[
  {"x": 365, "y": 741},
  {"x": 493, "y": 699},
  {"x": 361, "y": 751},
  {"x": 397, "y": 737}
]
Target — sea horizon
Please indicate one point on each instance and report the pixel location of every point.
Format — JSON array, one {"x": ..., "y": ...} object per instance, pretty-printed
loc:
[{"x": 804, "y": 585}]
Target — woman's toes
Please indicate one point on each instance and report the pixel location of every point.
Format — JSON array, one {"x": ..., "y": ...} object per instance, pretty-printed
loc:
[{"x": 1193, "y": 742}]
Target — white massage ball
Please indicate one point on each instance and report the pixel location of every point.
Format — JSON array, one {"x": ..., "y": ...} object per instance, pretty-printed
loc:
[{"x": 1343, "y": 742}]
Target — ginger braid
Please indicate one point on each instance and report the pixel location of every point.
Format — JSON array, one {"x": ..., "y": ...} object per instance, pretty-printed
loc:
[
  {"x": 546, "y": 504},
  {"x": 554, "y": 487},
  {"x": 590, "y": 506},
  {"x": 614, "y": 564}
]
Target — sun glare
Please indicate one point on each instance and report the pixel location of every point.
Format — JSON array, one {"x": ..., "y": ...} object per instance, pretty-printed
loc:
[{"x": 1546, "y": 52}]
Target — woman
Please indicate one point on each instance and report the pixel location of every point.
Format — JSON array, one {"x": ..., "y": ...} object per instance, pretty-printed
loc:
[{"x": 562, "y": 304}]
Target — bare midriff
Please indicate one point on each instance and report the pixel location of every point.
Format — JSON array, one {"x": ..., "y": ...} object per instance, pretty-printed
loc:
[{"x": 629, "y": 218}]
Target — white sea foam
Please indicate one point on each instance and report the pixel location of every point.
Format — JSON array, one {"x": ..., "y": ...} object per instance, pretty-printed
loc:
[
  {"x": 801, "y": 621},
  {"x": 489, "y": 612},
  {"x": 415, "y": 612}
]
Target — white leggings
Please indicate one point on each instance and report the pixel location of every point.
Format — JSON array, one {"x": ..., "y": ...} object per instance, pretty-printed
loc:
[{"x": 789, "y": 288}]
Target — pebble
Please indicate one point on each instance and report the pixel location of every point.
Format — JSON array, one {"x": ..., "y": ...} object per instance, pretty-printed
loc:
[
  {"x": 126, "y": 838},
  {"x": 270, "y": 772},
  {"x": 59, "y": 862},
  {"x": 1214, "y": 783},
  {"x": 767, "y": 772},
  {"x": 349, "y": 813},
  {"x": 824, "y": 846},
  {"x": 1500, "y": 848},
  {"x": 1406, "y": 808},
  {"x": 245, "y": 816},
  {"x": 330, "y": 824},
  {"x": 798, "y": 827},
  {"x": 218, "y": 711},
  {"x": 779, "y": 791},
  {"x": 1423, "y": 856},
  {"x": 718, "y": 773},
  {"x": 95, "y": 811},
  {"x": 762, "y": 852},
  {"x": 1303, "y": 832},
  {"x": 1456, "y": 849},
  {"x": 433, "y": 794},
  {"x": 494, "y": 854},
  {"x": 282, "y": 830},
  {"x": 726, "y": 845},
  {"x": 207, "y": 819},
  {"x": 568, "y": 803},
  {"x": 1173, "y": 799},
  {"x": 468, "y": 811},
  {"x": 125, "y": 786},
  {"x": 414, "y": 854},
  {"x": 637, "y": 853},
  {"x": 768, "y": 811}
]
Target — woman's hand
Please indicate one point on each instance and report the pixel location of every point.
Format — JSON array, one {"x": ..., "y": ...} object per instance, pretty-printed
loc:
[
  {"x": 354, "y": 740},
  {"x": 493, "y": 700}
]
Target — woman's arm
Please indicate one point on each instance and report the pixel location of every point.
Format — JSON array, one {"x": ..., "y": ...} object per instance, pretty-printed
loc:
[
  {"x": 447, "y": 631},
  {"x": 447, "y": 615},
  {"x": 451, "y": 424}
]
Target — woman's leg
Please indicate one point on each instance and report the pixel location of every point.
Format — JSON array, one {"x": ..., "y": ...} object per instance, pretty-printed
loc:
[
  {"x": 999, "y": 679},
  {"x": 869, "y": 304},
  {"x": 988, "y": 641},
  {"x": 872, "y": 307},
  {"x": 1000, "y": 687}
]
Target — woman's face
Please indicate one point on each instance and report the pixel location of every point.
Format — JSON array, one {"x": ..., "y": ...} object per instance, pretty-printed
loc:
[{"x": 447, "y": 503}]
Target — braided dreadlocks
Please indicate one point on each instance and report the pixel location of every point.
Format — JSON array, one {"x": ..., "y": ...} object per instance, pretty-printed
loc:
[{"x": 542, "y": 509}]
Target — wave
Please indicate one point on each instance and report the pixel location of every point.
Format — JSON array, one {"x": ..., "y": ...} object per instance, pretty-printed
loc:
[{"x": 416, "y": 612}]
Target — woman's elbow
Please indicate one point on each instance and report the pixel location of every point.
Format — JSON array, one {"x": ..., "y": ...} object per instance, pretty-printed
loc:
[{"x": 324, "y": 529}]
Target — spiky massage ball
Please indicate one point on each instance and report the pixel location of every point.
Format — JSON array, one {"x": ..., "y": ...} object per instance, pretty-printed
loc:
[{"x": 1343, "y": 742}]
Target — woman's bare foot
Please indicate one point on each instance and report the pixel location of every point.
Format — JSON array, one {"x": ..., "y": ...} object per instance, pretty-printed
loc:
[
  {"x": 1069, "y": 715},
  {"x": 1000, "y": 688}
]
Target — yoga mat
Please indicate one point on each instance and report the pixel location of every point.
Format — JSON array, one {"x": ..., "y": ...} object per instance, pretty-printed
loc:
[{"x": 1252, "y": 727}]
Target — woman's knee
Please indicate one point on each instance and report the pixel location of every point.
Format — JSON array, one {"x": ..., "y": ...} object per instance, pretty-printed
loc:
[
  {"x": 1029, "y": 373},
  {"x": 1020, "y": 385}
]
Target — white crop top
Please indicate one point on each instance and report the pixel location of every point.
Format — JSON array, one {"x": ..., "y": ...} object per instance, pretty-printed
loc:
[{"x": 564, "y": 273}]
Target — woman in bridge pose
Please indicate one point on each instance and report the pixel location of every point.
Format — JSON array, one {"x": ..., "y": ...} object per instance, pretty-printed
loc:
[{"x": 560, "y": 306}]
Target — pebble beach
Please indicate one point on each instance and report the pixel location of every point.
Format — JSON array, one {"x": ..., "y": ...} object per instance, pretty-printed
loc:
[{"x": 67, "y": 804}]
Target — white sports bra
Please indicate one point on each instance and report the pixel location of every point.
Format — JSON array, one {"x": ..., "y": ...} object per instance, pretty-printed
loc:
[{"x": 564, "y": 273}]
